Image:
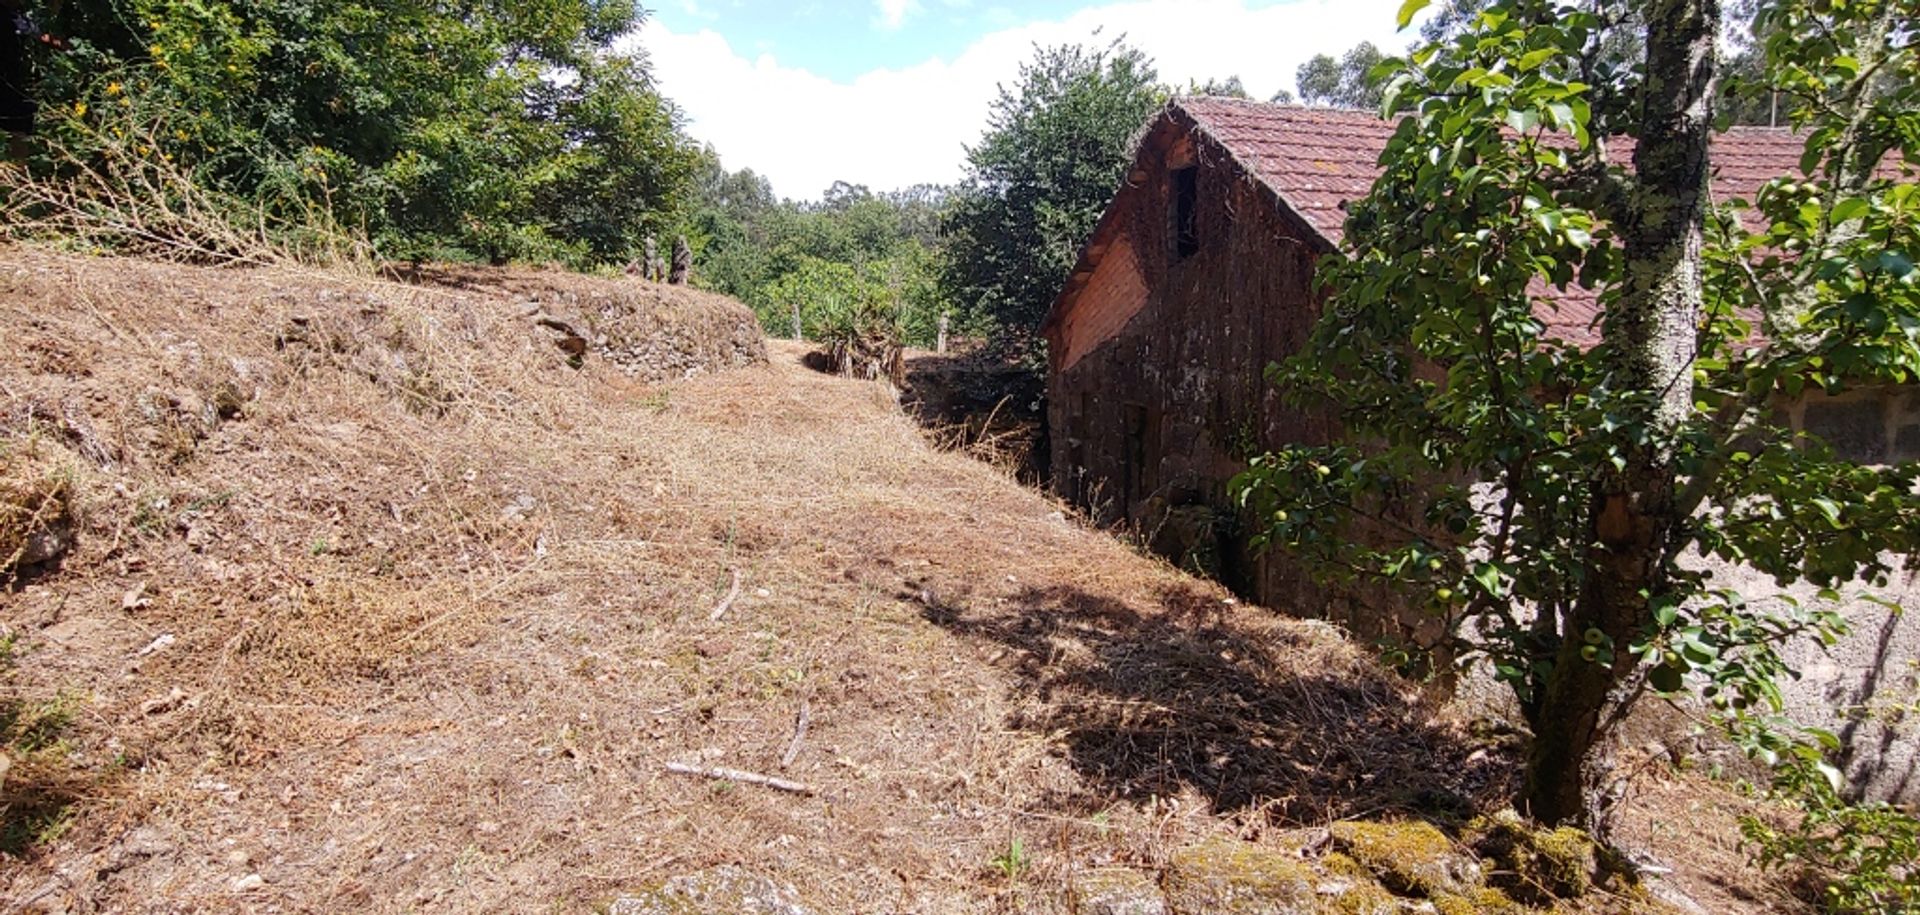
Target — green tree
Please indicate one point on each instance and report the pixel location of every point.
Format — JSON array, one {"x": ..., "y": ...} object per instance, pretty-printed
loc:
[
  {"x": 1544, "y": 500},
  {"x": 494, "y": 128},
  {"x": 1055, "y": 149},
  {"x": 1231, "y": 87},
  {"x": 1345, "y": 83}
]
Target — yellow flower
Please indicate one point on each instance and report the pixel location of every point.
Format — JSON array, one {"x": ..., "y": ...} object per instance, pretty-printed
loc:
[
  {"x": 113, "y": 88},
  {"x": 144, "y": 149},
  {"x": 79, "y": 109}
]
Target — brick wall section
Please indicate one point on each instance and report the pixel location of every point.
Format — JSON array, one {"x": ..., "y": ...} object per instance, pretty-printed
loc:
[{"x": 1113, "y": 295}]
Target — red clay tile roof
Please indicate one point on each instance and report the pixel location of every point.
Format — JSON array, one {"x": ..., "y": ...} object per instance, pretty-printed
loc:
[{"x": 1318, "y": 159}]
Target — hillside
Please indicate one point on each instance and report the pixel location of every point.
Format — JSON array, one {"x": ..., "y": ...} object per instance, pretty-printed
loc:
[{"x": 349, "y": 595}]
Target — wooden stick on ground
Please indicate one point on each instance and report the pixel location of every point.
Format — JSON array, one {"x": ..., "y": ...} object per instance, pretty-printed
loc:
[
  {"x": 799, "y": 734},
  {"x": 720, "y": 609},
  {"x": 737, "y": 775}
]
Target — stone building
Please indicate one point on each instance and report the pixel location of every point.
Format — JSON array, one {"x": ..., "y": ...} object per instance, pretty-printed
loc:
[{"x": 1200, "y": 274}]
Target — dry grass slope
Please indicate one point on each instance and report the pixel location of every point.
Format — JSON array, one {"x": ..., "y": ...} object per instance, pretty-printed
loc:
[{"x": 377, "y": 605}]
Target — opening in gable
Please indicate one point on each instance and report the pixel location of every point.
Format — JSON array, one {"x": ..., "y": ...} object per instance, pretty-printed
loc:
[{"x": 1186, "y": 228}]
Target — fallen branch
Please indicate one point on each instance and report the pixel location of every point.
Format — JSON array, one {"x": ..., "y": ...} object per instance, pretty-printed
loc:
[
  {"x": 737, "y": 775},
  {"x": 799, "y": 734},
  {"x": 720, "y": 609}
]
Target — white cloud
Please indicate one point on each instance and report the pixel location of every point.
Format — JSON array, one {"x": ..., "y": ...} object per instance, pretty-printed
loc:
[
  {"x": 893, "y": 13},
  {"x": 892, "y": 128}
]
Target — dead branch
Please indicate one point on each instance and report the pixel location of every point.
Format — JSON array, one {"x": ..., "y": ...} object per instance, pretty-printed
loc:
[
  {"x": 799, "y": 734},
  {"x": 720, "y": 609},
  {"x": 737, "y": 775}
]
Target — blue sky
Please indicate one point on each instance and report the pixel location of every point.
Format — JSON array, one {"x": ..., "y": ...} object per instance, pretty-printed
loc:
[{"x": 888, "y": 93}]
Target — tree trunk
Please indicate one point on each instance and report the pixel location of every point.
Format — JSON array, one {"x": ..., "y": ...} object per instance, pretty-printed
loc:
[{"x": 1651, "y": 333}]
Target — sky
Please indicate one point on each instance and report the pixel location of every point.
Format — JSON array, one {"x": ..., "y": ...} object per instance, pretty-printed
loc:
[{"x": 888, "y": 93}]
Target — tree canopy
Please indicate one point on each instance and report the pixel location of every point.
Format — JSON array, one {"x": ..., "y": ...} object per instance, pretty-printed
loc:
[
  {"x": 1055, "y": 149},
  {"x": 493, "y": 129},
  {"x": 1345, "y": 83}
]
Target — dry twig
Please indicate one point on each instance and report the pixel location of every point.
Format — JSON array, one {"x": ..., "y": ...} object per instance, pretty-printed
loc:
[
  {"x": 720, "y": 609},
  {"x": 740, "y": 775},
  {"x": 799, "y": 734}
]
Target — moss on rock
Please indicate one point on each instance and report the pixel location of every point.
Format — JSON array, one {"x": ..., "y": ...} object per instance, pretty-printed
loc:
[
  {"x": 1367, "y": 898},
  {"x": 1483, "y": 900},
  {"x": 1409, "y": 857},
  {"x": 1533, "y": 864},
  {"x": 1238, "y": 878}
]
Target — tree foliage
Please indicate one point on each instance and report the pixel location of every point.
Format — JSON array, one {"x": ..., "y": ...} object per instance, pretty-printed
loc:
[
  {"x": 495, "y": 129},
  {"x": 854, "y": 254},
  {"x": 1512, "y": 482},
  {"x": 1055, "y": 149},
  {"x": 1345, "y": 83}
]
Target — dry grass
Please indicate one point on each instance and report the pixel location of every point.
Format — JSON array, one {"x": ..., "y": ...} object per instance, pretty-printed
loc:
[
  {"x": 400, "y": 613},
  {"x": 117, "y": 192}
]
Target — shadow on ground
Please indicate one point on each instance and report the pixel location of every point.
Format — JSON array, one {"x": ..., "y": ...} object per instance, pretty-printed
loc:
[{"x": 1274, "y": 716}]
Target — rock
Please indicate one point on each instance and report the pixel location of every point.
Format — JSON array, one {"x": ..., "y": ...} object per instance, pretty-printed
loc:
[
  {"x": 565, "y": 336},
  {"x": 725, "y": 890},
  {"x": 1114, "y": 891},
  {"x": 48, "y": 543},
  {"x": 1410, "y": 857},
  {"x": 249, "y": 883},
  {"x": 1536, "y": 865},
  {"x": 1239, "y": 878}
]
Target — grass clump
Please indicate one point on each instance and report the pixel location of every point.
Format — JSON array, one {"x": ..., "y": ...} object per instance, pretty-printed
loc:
[{"x": 39, "y": 784}]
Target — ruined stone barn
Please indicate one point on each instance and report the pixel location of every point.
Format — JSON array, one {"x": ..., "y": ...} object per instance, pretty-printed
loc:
[{"x": 1201, "y": 273}]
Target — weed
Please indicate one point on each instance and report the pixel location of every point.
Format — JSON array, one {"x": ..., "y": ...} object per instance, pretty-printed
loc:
[
  {"x": 1013, "y": 862},
  {"x": 40, "y": 784}
]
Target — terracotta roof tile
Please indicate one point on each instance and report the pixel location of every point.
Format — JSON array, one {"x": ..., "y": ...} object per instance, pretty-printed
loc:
[{"x": 1318, "y": 159}]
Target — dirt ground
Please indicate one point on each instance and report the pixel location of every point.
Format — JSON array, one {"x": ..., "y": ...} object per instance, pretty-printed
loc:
[{"x": 404, "y": 614}]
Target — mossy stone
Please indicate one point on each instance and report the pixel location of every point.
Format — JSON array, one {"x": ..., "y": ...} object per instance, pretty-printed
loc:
[
  {"x": 1368, "y": 898},
  {"x": 1484, "y": 901},
  {"x": 1536, "y": 865},
  {"x": 1409, "y": 857},
  {"x": 1238, "y": 878}
]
